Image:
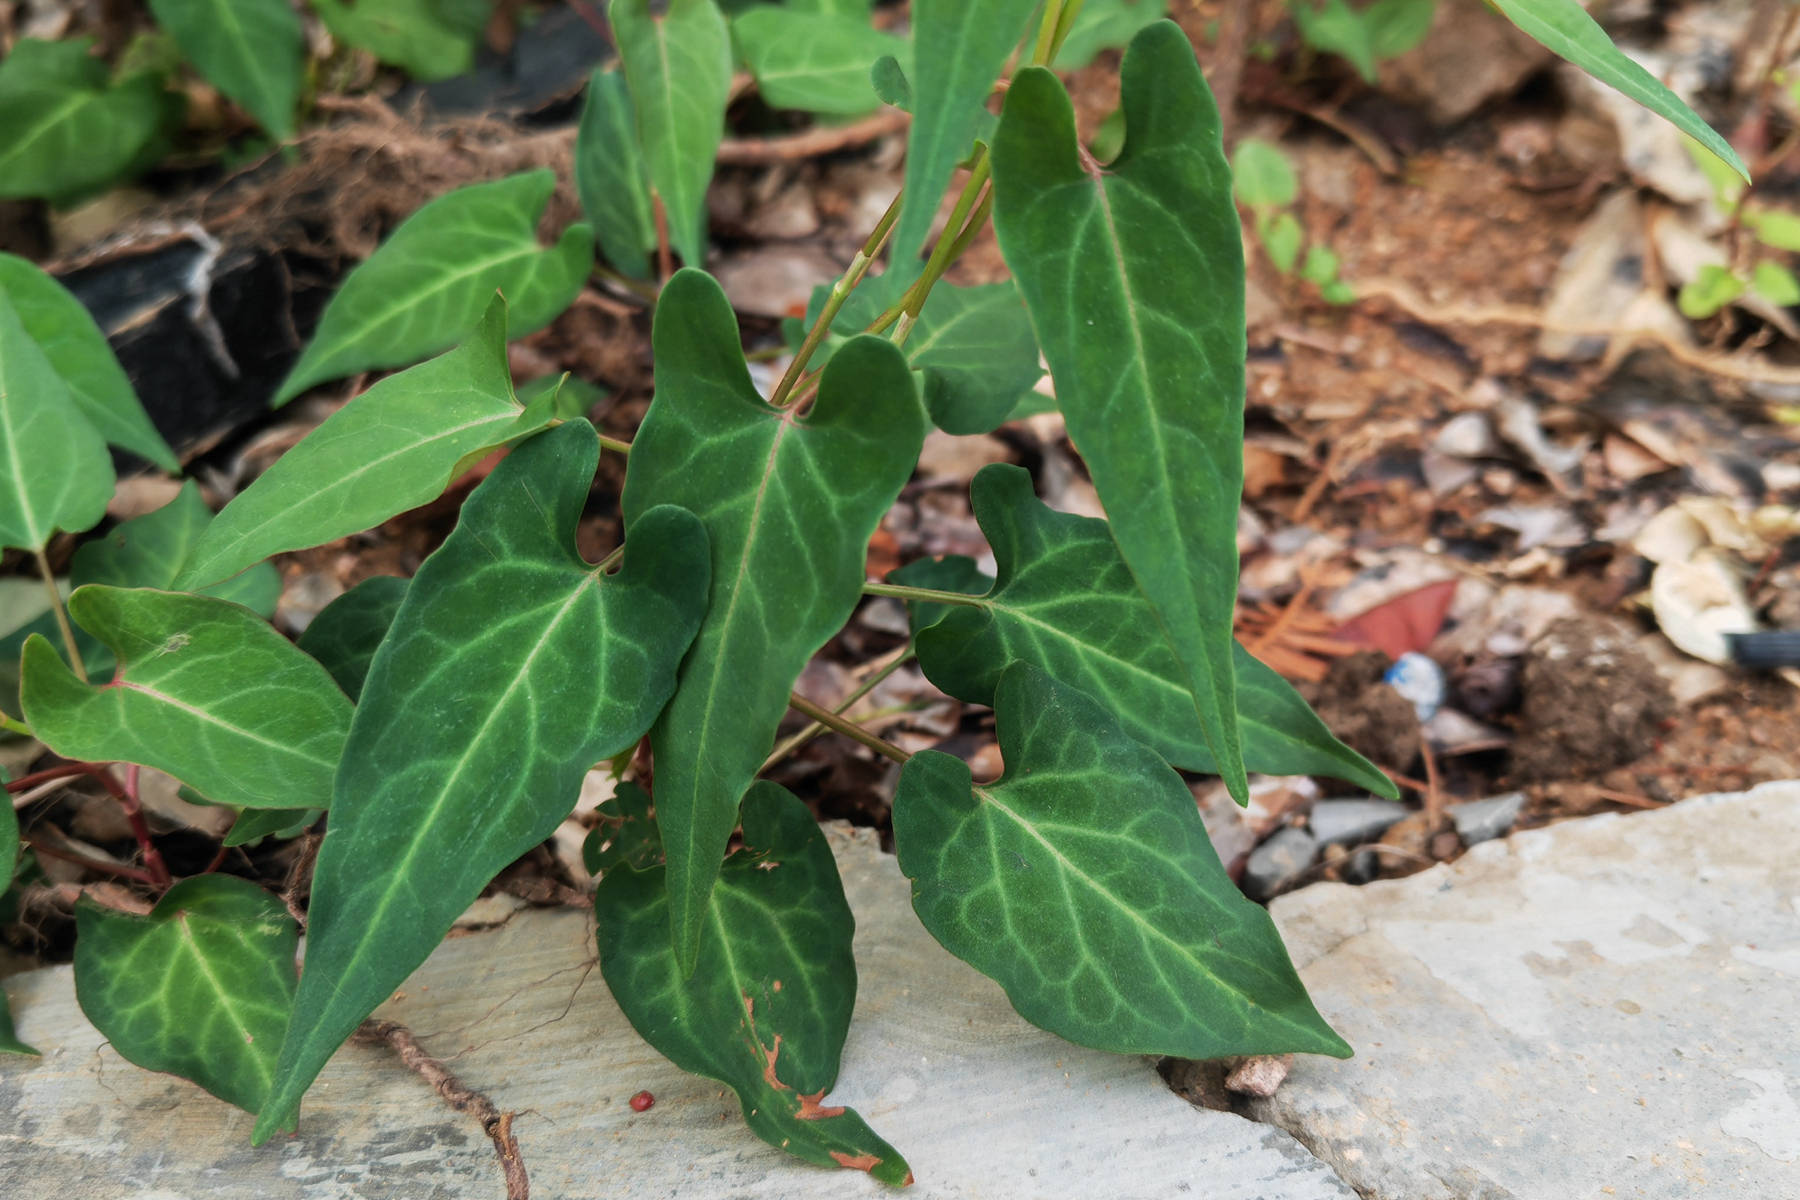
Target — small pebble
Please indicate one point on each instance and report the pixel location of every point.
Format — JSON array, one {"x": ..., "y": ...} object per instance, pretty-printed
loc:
[
  {"x": 642, "y": 1102},
  {"x": 1420, "y": 680},
  {"x": 1363, "y": 867},
  {"x": 1349, "y": 822},
  {"x": 1259, "y": 1075},
  {"x": 1484, "y": 820},
  {"x": 1276, "y": 862}
]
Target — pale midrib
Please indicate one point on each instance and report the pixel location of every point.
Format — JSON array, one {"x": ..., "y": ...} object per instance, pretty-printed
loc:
[
  {"x": 208, "y": 718},
  {"x": 668, "y": 112},
  {"x": 399, "y": 871},
  {"x": 51, "y": 119},
  {"x": 371, "y": 326},
  {"x": 355, "y": 476},
  {"x": 224, "y": 994},
  {"x": 1130, "y": 912},
  {"x": 17, "y": 470}
]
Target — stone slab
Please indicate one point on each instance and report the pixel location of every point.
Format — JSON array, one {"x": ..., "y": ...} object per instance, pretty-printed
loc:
[
  {"x": 1601, "y": 1010},
  {"x": 983, "y": 1105}
]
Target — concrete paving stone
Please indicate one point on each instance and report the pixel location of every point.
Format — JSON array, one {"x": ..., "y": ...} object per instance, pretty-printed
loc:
[
  {"x": 982, "y": 1104},
  {"x": 1604, "y": 1009}
]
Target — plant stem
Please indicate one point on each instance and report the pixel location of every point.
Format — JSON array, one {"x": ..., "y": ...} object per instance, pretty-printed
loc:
[
  {"x": 849, "y": 729},
  {"x": 13, "y": 725},
  {"x": 39, "y": 845},
  {"x": 615, "y": 445},
  {"x": 814, "y": 729},
  {"x": 134, "y": 813},
  {"x": 923, "y": 595},
  {"x": 62, "y": 617},
  {"x": 635, "y": 287},
  {"x": 834, "y": 303},
  {"x": 665, "y": 266}
]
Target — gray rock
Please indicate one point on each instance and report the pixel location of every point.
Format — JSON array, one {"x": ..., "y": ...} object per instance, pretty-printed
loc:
[
  {"x": 1276, "y": 862},
  {"x": 1485, "y": 820},
  {"x": 1351, "y": 822},
  {"x": 982, "y": 1104},
  {"x": 1602, "y": 1008}
]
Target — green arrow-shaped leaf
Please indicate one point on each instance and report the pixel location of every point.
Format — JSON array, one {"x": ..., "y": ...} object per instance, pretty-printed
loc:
[
  {"x": 1134, "y": 276},
  {"x": 199, "y": 988},
  {"x": 1083, "y": 882},
  {"x": 611, "y": 177},
  {"x": 766, "y": 1011},
  {"x": 815, "y": 62},
  {"x": 252, "y": 50},
  {"x": 512, "y": 667},
  {"x": 431, "y": 39},
  {"x": 149, "y": 551},
  {"x": 1102, "y": 24},
  {"x": 392, "y": 448},
  {"x": 69, "y": 131},
  {"x": 429, "y": 283},
  {"x": 789, "y": 504},
  {"x": 1565, "y": 29},
  {"x": 54, "y": 469},
  {"x": 960, "y": 47},
  {"x": 206, "y": 691},
  {"x": 1066, "y": 602},
  {"x": 679, "y": 67},
  {"x": 348, "y": 631},
  {"x": 78, "y": 351}
]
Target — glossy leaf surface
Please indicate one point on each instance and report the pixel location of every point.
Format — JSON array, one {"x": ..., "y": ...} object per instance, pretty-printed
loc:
[
  {"x": 392, "y": 448},
  {"x": 430, "y": 38},
  {"x": 512, "y": 667},
  {"x": 1084, "y": 884},
  {"x": 611, "y": 177},
  {"x": 55, "y": 473},
  {"x": 199, "y": 988},
  {"x": 1065, "y": 602},
  {"x": 679, "y": 68},
  {"x": 626, "y": 834},
  {"x": 251, "y": 50},
  {"x": 960, "y": 47},
  {"x": 348, "y": 631},
  {"x": 815, "y": 62},
  {"x": 69, "y": 130},
  {"x": 1134, "y": 276},
  {"x": 766, "y": 1010},
  {"x": 789, "y": 505},
  {"x": 9, "y": 844},
  {"x": 429, "y": 283},
  {"x": 78, "y": 351},
  {"x": 205, "y": 690},
  {"x": 1565, "y": 29}
]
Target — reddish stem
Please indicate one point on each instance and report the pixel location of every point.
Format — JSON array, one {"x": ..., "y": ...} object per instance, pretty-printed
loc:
[
  {"x": 157, "y": 871},
  {"x": 40, "y": 846},
  {"x": 27, "y": 782}
]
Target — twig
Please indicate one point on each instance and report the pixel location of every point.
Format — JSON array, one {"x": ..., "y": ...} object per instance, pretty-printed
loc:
[
  {"x": 40, "y": 845},
  {"x": 496, "y": 1124},
  {"x": 665, "y": 265},
  {"x": 299, "y": 880},
  {"x": 62, "y": 617},
  {"x": 901, "y": 657},
  {"x": 849, "y": 729},
  {"x": 811, "y": 143}
]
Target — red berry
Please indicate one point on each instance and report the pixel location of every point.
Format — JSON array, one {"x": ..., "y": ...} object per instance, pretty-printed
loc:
[{"x": 642, "y": 1102}]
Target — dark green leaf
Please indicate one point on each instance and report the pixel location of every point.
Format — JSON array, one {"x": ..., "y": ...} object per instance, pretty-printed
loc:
[
  {"x": 679, "y": 69},
  {"x": 394, "y": 447},
  {"x": 1065, "y": 602},
  {"x": 206, "y": 691},
  {"x": 512, "y": 667},
  {"x": 789, "y": 503},
  {"x": 9, "y": 844},
  {"x": 815, "y": 62},
  {"x": 626, "y": 834},
  {"x": 562, "y": 397},
  {"x": 1104, "y": 24},
  {"x": 79, "y": 352},
  {"x": 1083, "y": 882},
  {"x": 1565, "y": 29},
  {"x": 960, "y": 47},
  {"x": 200, "y": 988},
  {"x": 888, "y": 78},
  {"x": 978, "y": 354},
  {"x": 1135, "y": 280},
  {"x": 952, "y": 573},
  {"x": 9, "y": 1037},
  {"x": 55, "y": 473},
  {"x": 766, "y": 1010},
  {"x": 347, "y": 632},
  {"x": 431, "y": 39},
  {"x": 69, "y": 132},
  {"x": 428, "y": 285},
  {"x": 255, "y": 824},
  {"x": 251, "y": 50},
  {"x": 611, "y": 176}
]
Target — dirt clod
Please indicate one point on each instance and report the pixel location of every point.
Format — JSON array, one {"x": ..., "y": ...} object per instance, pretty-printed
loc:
[
  {"x": 1592, "y": 701},
  {"x": 1366, "y": 714}
]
